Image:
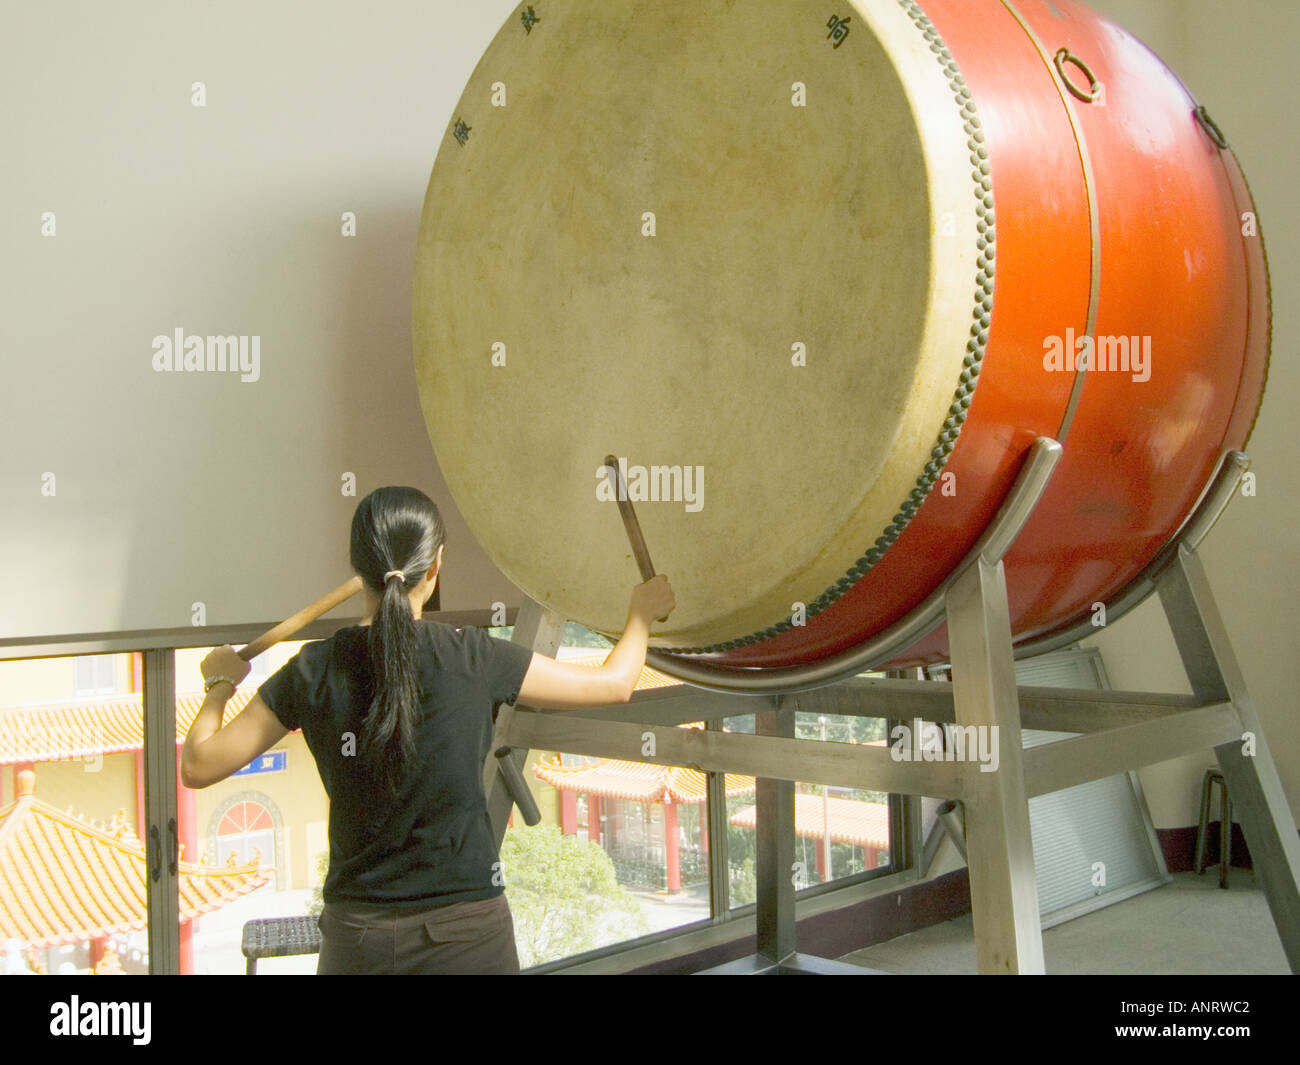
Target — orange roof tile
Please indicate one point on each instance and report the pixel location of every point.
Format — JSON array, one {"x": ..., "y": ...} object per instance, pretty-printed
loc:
[
  {"x": 65, "y": 881},
  {"x": 864, "y": 824},
  {"x": 80, "y": 728},
  {"x": 617, "y": 779}
]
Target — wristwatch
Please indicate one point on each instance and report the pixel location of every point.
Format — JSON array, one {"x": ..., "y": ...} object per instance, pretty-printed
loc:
[{"x": 212, "y": 682}]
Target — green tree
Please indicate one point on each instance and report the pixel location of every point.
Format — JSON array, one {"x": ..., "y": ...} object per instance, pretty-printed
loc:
[
  {"x": 317, "y": 896},
  {"x": 744, "y": 883},
  {"x": 564, "y": 896}
]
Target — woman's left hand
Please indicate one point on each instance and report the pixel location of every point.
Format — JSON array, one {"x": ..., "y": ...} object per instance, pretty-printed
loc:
[{"x": 225, "y": 662}]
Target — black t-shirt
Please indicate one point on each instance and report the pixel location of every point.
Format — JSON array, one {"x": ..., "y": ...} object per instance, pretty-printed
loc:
[{"x": 430, "y": 844}]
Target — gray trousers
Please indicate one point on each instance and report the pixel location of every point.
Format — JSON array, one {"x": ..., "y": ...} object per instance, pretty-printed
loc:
[{"x": 460, "y": 938}]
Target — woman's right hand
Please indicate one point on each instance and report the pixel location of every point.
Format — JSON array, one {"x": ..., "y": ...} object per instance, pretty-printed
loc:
[
  {"x": 566, "y": 686},
  {"x": 653, "y": 600}
]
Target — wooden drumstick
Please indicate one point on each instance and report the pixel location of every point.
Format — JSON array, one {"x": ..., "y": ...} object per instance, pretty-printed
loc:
[
  {"x": 306, "y": 615},
  {"x": 639, "y": 550}
]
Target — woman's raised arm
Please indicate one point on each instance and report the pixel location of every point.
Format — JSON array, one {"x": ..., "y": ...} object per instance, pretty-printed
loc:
[{"x": 564, "y": 686}]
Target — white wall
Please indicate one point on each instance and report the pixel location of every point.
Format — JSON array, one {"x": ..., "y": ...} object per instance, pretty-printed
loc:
[
  {"x": 176, "y": 488},
  {"x": 1237, "y": 60}
]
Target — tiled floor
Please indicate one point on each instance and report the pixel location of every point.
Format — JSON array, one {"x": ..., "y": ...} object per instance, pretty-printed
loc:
[{"x": 1188, "y": 927}]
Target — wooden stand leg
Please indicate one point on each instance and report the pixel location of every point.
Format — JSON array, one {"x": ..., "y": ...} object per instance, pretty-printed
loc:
[
  {"x": 1248, "y": 769},
  {"x": 1004, "y": 894},
  {"x": 543, "y": 631}
]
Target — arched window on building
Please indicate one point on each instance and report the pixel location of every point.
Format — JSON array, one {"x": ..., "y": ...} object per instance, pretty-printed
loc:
[{"x": 247, "y": 831}]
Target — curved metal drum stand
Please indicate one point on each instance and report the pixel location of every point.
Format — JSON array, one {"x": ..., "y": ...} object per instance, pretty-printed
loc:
[
  {"x": 1042, "y": 459},
  {"x": 996, "y": 541},
  {"x": 1114, "y": 731}
]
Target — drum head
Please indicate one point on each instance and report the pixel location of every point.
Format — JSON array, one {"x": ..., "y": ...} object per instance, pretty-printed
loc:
[{"x": 729, "y": 243}]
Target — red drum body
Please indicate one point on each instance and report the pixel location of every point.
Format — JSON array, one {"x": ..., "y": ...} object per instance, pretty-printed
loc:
[
  {"x": 1118, "y": 218},
  {"x": 1051, "y": 242}
]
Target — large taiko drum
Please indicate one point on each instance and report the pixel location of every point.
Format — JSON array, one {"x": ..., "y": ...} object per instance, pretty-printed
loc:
[{"x": 820, "y": 274}]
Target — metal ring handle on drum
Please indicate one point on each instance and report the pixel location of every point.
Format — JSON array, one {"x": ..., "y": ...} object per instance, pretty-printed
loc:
[
  {"x": 1093, "y": 94},
  {"x": 1211, "y": 127}
]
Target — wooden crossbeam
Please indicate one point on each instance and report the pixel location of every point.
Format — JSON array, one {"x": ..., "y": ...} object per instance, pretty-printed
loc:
[
  {"x": 845, "y": 764},
  {"x": 1065, "y": 763}
]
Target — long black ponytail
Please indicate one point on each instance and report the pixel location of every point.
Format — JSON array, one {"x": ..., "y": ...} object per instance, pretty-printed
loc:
[{"x": 394, "y": 529}]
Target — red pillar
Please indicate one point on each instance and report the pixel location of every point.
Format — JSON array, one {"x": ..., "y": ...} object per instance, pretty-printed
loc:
[
  {"x": 568, "y": 812},
  {"x": 593, "y": 818},
  {"x": 869, "y": 857},
  {"x": 670, "y": 840},
  {"x": 821, "y": 861},
  {"x": 139, "y": 795},
  {"x": 187, "y": 834}
]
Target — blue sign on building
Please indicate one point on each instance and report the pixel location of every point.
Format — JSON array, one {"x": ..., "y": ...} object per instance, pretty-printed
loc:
[{"x": 271, "y": 762}]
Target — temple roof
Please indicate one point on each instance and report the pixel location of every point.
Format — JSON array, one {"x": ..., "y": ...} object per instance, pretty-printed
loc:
[
  {"x": 852, "y": 821},
  {"x": 88, "y": 726},
  {"x": 65, "y": 881},
  {"x": 863, "y": 824},
  {"x": 618, "y": 779}
]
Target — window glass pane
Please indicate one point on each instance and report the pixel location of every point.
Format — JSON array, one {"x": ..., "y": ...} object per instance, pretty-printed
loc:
[
  {"x": 856, "y": 821},
  {"x": 96, "y": 674},
  {"x": 259, "y": 839},
  {"x": 741, "y": 854},
  {"x": 260, "y": 669},
  {"x": 622, "y": 850},
  {"x": 579, "y": 641},
  {"x": 71, "y": 803},
  {"x": 853, "y": 821}
]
